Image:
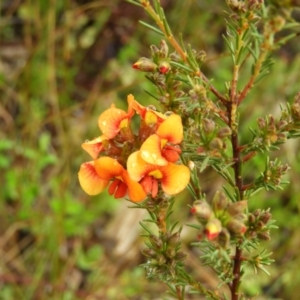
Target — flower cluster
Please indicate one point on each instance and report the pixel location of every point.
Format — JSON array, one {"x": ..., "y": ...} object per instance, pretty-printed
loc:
[
  {"x": 137, "y": 165},
  {"x": 221, "y": 218}
]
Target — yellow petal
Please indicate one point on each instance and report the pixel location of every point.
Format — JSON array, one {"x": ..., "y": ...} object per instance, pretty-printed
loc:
[
  {"x": 108, "y": 168},
  {"x": 137, "y": 168},
  {"x": 151, "y": 151},
  {"x": 89, "y": 180},
  {"x": 171, "y": 129},
  {"x": 175, "y": 178},
  {"x": 94, "y": 147}
]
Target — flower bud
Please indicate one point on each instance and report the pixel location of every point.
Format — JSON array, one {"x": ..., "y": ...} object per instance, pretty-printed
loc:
[
  {"x": 202, "y": 210},
  {"x": 259, "y": 225},
  {"x": 224, "y": 132},
  {"x": 265, "y": 217},
  {"x": 154, "y": 50},
  {"x": 251, "y": 219},
  {"x": 237, "y": 207},
  {"x": 180, "y": 256},
  {"x": 261, "y": 123},
  {"x": 155, "y": 241},
  {"x": 208, "y": 125},
  {"x": 148, "y": 252},
  {"x": 264, "y": 236},
  {"x": 255, "y": 4},
  {"x": 237, "y": 227},
  {"x": 236, "y": 5},
  {"x": 213, "y": 229},
  {"x": 174, "y": 240},
  {"x": 282, "y": 124},
  {"x": 224, "y": 238},
  {"x": 160, "y": 259},
  {"x": 170, "y": 252},
  {"x": 219, "y": 201},
  {"x": 164, "y": 49},
  {"x": 164, "y": 67},
  {"x": 216, "y": 144},
  {"x": 146, "y": 65}
]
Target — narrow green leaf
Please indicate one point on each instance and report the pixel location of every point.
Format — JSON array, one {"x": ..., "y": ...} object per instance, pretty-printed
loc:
[
  {"x": 181, "y": 66},
  {"x": 147, "y": 229},
  {"x": 151, "y": 27},
  {"x": 204, "y": 163},
  {"x": 134, "y": 3},
  {"x": 153, "y": 96}
]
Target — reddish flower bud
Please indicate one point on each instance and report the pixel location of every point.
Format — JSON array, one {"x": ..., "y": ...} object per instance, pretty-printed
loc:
[
  {"x": 202, "y": 211},
  {"x": 144, "y": 64},
  {"x": 164, "y": 67},
  {"x": 236, "y": 227},
  {"x": 213, "y": 229}
]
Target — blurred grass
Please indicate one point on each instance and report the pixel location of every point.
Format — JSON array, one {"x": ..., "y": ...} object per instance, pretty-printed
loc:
[{"x": 61, "y": 64}]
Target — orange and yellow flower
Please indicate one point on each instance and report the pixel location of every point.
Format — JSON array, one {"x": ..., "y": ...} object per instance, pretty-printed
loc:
[
  {"x": 95, "y": 176},
  {"x": 150, "y": 169},
  {"x": 173, "y": 178}
]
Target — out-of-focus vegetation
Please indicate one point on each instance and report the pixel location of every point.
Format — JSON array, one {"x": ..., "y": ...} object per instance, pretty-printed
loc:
[{"x": 61, "y": 64}]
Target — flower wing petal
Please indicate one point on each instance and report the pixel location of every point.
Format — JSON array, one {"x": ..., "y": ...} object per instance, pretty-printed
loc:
[
  {"x": 171, "y": 129},
  {"x": 175, "y": 178},
  {"x": 89, "y": 180},
  {"x": 94, "y": 147},
  {"x": 151, "y": 151},
  {"x": 108, "y": 168}
]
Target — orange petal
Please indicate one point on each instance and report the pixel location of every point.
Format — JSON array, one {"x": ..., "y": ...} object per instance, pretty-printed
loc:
[
  {"x": 135, "y": 190},
  {"x": 94, "y": 147},
  {"x": 137, "y": 167},
  {"x": 108, "y": 168},
  {"x": 175, "y": 178},
  {"x": 171, "y": 129},
  {"x": 151, "y": 151},
  {"x": 133, "y": 104},
  {"x": 110, "y": 121},
  {"x": 89, "y": 180}
]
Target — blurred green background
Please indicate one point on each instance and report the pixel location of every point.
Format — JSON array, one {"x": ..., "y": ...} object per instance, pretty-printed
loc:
[{"x": 62, "y": 62}]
